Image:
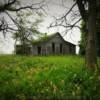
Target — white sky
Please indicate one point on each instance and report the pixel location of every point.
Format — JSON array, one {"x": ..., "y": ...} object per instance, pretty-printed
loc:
[{"x": 54, "y": 8}]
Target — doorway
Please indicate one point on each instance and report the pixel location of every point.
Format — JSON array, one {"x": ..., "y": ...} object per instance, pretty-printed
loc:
[
  {"x": 53, "y": 47},
  {"x": 60, "y": 48},
  {"x": 39, "y": 50}
]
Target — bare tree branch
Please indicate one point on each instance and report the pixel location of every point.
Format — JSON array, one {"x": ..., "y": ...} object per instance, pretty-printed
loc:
[
  {"x": 67, "y": 25},
  {"x": 26, "y": 7},
  {"x": 68, "y": 11},
  {"x": 64, "y": 22},
  {"x": 10, "y": 7}
]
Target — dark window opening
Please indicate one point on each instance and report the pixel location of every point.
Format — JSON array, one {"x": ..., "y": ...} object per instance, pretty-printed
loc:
[
  {"x": 60, "y": 48},
  {"x": 53, "y": 47},
  {"x": 28, "y": 50},
  {"x": 70, "y": 49},
  {"x": 39, "y": 50}
]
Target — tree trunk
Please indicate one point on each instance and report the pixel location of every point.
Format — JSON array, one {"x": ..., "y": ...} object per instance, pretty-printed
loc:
[
  {"x": 15, "y": 46},
  {"x": 91, "y": 56},
  {"x": 23, "y": 47}
]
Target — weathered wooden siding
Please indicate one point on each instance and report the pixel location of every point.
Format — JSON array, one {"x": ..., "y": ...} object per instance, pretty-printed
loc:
[{"x": 46, "y": 47}]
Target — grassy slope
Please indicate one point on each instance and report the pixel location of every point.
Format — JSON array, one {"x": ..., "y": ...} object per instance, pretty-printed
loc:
[{"x": 50, "y": 76}]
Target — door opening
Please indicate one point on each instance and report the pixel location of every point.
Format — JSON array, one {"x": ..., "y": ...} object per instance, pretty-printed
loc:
[
  {"x": 61, "y": 48},
  {"x": 39, "y": 50},
  {"x": 53, "y": 47}
]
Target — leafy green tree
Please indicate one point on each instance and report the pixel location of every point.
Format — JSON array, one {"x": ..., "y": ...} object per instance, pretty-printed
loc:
[{"x": 26, "y": 30}]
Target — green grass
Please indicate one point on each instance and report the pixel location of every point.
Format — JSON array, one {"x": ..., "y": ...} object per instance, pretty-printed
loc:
[{"x": 47, "y": 78}]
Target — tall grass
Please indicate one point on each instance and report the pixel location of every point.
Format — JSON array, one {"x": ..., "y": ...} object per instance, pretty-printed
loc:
[{"x": 47, "y": 78}]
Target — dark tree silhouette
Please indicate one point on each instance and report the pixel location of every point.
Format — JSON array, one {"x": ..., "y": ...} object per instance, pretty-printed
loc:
[{"x": 87, "y": 10}]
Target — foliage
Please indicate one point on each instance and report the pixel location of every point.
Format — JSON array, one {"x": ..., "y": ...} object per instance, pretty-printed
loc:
[
  {"x": 43, "y": 38},
  {"x": 82, "y": 43},
  {"x": 27, "y": 30},
  {"x": 47, "y": 78}
]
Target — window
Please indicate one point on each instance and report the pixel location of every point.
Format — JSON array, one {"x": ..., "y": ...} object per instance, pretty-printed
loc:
[
  {"x": 61, "y": 48},
  {"x": 39, "y": 50},
  {"x": 70, "y": 49},
  {"x": 53, "y": 47}
]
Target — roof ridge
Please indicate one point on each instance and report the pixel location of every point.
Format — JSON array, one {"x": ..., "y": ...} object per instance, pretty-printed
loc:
[{"x": 47, "y": 37}]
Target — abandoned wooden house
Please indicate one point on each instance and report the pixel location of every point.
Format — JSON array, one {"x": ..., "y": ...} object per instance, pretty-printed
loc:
[{"x": 50, "y": 45}]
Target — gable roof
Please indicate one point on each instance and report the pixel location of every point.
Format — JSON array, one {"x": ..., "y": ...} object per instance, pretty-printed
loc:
[{"x": 48, "y": 37}]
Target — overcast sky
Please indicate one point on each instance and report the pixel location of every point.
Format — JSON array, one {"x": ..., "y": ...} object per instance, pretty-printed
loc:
[{"x": 53, "y": 8}]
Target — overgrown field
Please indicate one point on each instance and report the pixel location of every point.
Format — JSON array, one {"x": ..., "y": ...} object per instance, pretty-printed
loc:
[{"x": 47, "y": 78}]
